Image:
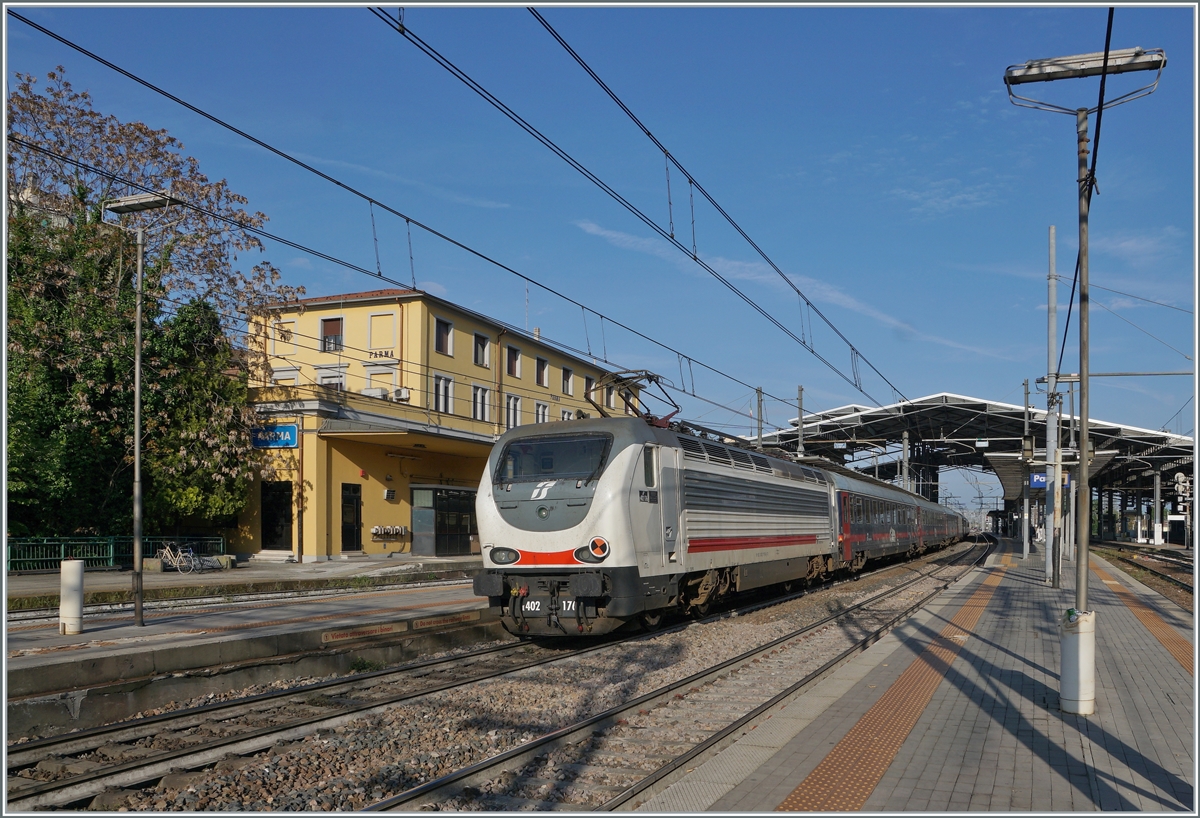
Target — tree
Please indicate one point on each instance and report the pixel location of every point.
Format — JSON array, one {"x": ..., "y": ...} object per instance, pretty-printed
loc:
[{"x": 71, "y": 324}]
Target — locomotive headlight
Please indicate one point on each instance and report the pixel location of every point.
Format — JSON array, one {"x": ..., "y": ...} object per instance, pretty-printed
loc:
[
  {"x": 504, "y": 556},
  {"x": 543, "y": 512},
  {"x": 595, "y": 551}
]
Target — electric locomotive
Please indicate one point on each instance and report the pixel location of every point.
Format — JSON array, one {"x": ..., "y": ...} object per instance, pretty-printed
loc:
[{"x": 588, "y": 525}]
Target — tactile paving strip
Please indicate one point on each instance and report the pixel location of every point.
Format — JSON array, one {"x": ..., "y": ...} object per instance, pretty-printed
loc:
[
  {"x": 1175, "y": 644},
  {"x": 849, "y": 774}
]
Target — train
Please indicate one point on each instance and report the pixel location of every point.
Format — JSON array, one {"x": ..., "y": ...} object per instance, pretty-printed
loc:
[{"x": 599, "y": 523}]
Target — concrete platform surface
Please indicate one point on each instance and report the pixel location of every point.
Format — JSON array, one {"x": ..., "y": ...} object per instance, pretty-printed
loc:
[
  {"x": 958, "y": 710},
  {"x": 174, "y": 638}
]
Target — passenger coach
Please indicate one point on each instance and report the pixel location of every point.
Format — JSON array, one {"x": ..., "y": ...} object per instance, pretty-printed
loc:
[{"x": 591, "y": 524}]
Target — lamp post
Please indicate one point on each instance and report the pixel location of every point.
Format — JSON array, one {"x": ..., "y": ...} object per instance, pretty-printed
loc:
[
  {"x": 134, "y": 204},
  {"x": 1077, "y": 675}
]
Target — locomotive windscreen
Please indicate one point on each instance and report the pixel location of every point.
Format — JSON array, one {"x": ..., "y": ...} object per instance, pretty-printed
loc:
[{"x": 555, "y": 457}]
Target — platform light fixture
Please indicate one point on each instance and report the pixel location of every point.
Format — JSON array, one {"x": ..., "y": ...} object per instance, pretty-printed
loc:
[
  {"x": 136, "y": 204},
  {"x": 1077, "y": 694}
]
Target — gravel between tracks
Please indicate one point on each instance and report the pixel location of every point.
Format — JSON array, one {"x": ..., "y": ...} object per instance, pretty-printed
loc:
[{"x": 371, "y": 758}]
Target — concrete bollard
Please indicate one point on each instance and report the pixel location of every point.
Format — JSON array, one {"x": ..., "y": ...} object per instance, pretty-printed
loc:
[
  {"x": 70, "y": 597},
  {"x": 1078, "y": 677}
]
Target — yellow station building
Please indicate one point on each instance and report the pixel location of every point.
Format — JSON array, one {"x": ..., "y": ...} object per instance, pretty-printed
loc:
[{"x": 382, "y": 408}]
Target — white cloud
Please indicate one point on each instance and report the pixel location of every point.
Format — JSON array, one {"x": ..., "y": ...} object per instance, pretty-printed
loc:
[
  {"x": 433, "y": 190},
  {"x": 433, "y": 288},
  {"x": 1140, "y": 249},
  {"x": 945, "y": 195},
  {"x": 761, "y": 273}
]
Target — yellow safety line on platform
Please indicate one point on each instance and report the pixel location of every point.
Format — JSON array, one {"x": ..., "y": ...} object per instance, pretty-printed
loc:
[
  {"x": 849, "y": 774},
  {"x": 1175, "y": 644}
]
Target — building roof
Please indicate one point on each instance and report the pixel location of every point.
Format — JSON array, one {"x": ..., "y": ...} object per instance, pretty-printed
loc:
[{"x": 955, "y": 430}]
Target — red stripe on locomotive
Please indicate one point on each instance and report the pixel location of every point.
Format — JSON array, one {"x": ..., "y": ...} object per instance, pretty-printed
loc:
[{"x": 741, "y": 543}]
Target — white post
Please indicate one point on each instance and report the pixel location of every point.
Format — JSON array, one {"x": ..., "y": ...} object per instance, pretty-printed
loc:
[{"x": 70, "y": 597}]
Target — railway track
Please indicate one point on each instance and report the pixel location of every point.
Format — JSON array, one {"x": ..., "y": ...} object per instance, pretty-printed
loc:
[
  {"x": 1187, "y": 586},
  {"x": 624, "y": 755},
  {"x": 185, "y": 739},
  {"x": 90, "y": 763}
]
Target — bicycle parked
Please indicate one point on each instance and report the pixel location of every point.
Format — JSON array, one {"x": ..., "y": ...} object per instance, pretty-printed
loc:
[{"x": 179, "y": 557}]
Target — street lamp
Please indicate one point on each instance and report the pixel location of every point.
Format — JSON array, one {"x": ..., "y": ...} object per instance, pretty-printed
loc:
[
  {"x": 1077, "y": 677},
  {"x": 135, "y": 204}
]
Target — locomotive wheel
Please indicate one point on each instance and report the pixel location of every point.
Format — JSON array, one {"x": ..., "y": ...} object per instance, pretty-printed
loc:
[
  {"x": 651, "y": 620},
  {"x": 700, "y": 611}
]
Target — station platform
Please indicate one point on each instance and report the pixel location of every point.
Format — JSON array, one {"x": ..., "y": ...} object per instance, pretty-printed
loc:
[
  {"x": 220, "y": 642},
  {"x": 958, "y": 710}
]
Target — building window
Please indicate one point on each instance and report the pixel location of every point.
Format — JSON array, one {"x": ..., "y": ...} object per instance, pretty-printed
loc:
[
  {"x": 334, "y": 382},
  {"x": 610, "y": 395},
  {"x": 331, "y": 335},
  {"x": 479, "y": 403},
  {"x": 512, "y": 412},
  {"x": 284, "y": 340},
  {"x": 589, "y": 386},
  {"x": 541, "y": 413},
  {"x": 627, "y": 399},
  {"x": 482, "y": 349},
  {"x": 568, "y": 382},
  {"x": 514, "y": 362},
  {"x": 567, "y": 414},
  {"x": 381, "y": 330},
  {"x": 443, "y": 394},
  {"x": 543, "y": 372},
  {"x": 443, "y": 337}
]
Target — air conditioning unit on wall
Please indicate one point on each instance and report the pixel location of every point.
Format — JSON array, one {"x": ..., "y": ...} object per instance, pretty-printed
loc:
[{"x": 401, "y": 394}]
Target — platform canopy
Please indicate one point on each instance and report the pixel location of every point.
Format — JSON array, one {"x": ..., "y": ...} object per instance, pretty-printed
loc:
[{"x": 948, "y": 430}]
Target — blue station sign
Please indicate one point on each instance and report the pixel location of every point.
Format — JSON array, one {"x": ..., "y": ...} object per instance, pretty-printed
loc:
[
  {"x": 285, "y": 436},
  {"x": 1037, "y": 480}
]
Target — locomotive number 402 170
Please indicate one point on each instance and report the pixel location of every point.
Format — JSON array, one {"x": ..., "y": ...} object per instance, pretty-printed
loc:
[{"x": 535, "y": 605}]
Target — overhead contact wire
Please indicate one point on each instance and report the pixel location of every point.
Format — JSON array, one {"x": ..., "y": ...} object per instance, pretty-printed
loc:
[
  {"x": 562, "y": 154},
  {"x": 705, "y": 194},
  {"x": 408, "y": 219}
]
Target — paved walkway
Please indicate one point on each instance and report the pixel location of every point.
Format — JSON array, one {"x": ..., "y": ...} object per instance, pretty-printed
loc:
[{"x": 958, "y": 710}]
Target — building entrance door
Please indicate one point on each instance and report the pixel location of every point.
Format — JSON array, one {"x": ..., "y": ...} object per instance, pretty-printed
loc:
[
  {"x": 351, "y": 517},
  {"x": 277, "y": 515},
  {"x": 443, "y": 521}
]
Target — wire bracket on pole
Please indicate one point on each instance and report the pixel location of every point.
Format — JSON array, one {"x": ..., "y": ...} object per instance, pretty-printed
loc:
[
  {"x": 411, "y": 264},
  {"x": 670, "y": 212},
  {"x": 375, "y": 236}
]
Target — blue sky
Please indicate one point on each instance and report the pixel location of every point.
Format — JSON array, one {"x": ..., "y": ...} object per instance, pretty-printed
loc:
[{"x": 871, "y": 152}]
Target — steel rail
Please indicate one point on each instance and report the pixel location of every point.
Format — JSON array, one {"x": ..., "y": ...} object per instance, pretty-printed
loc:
[
  {"x": 1187, "y": 586},
  {"x": 67, "y": 791},
  {"x": 448, "y": 785}
]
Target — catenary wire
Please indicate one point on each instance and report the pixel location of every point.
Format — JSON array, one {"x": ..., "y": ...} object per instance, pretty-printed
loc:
[
  {"x": 365, "y": 271},
  {"x": 536, "y": 134},
  {"x": 1140, "y": 329},
  {"x": 408, "y": 220},
  {"x": 1090, "y": 182},
  {"x": 1131, "y": 295},
  {"x": 692, "y": 181}
]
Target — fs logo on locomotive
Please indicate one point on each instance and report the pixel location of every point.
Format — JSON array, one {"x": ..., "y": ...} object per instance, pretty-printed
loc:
[{"x": 542, "y": 489}]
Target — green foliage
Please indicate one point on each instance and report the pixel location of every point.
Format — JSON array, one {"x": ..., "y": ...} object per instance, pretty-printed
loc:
[
  {"x": 361, "y": 665},
  {"x": 71, "y": 327}
]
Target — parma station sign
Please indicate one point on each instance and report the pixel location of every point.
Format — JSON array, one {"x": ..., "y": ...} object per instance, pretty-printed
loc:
[{"x": 283, "y": 436}]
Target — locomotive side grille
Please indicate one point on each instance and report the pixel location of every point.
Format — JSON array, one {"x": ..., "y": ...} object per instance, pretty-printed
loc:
[
  {"x": 715, "y": 492},
  {"x": 691, "y": 448},
  {"x": 760, "y": 464},
  {"x": 717, "y": 454},
  {"x": 741, "y": 459}
]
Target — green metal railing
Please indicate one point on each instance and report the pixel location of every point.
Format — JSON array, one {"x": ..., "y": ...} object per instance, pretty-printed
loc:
[{"x": 29, "y": 554}]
